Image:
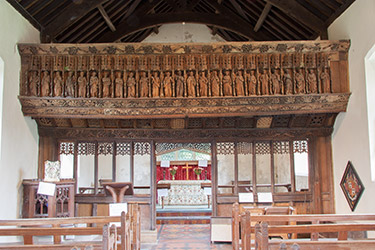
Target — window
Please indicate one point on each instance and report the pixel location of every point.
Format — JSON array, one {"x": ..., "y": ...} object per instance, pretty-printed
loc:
[
  {"x": 263, "y": 166},
  {"x": 370, "y": 90}
]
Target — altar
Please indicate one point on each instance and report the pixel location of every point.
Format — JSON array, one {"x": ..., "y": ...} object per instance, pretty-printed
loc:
[{"x": 185, "y": 192}]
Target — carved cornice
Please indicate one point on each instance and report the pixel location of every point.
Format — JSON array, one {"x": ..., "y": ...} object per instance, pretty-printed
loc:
[
  {"x": 182, "y": 107},
  {"x": 185, "y": 48},
  {"x": 182, "y": 134}
]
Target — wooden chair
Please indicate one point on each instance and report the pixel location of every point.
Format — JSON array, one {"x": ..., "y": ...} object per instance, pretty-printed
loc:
[{"x": 163, "y": 186}]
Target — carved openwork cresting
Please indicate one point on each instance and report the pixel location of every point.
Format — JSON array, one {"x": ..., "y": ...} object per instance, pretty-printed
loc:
[{"x": 111, "y": 78}]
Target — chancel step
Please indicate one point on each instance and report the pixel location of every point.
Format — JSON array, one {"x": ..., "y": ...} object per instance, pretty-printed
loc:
[{"x": 186, "y": 216}]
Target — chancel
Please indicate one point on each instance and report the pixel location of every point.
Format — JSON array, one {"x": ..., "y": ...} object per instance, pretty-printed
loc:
[
  {"x": 184, "y": 167},
  {"x": 248, "y": 112}
]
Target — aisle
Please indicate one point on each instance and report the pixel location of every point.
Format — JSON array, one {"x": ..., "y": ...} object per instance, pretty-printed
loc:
[{"x": 184, "y": 237}]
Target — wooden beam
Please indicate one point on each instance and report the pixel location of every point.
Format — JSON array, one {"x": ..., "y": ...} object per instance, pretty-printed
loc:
[
  {"x": 193, "y": 4},
  {"x": 107, "y": 19},
  {"x": 70, "y": 15},
  {"x": 338, "y": 12},
  {"x": 262, "y": 17},
  {"x": 131, "y": 10},
  {"x": 223, "y": 21},
  {"x": 239, "y": 9},
  {"x": 300, "y": 13},
  {"x": 25, "y": 14},
  {"x": 324, "y": 34},
  {"x": 155, "y": 30}
]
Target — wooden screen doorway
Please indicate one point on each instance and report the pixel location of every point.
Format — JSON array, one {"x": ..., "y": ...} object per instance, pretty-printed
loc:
[{"x": 183, "y": 175}]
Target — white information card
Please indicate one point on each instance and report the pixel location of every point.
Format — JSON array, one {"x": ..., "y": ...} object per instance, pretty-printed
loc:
[
  {"x": 115, "y": 209},
  {"x": 164, "y": 164},
  {"x": 202, "y": 163},
  {"x": 162, "y": 192},
  {"x": 245, "y": 197},
  {"x": 265, "y": 198},
  {"x": 46, "y": 188}
]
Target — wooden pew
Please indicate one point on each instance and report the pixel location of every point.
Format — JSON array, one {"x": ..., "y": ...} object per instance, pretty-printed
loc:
[
  {"x": 239, "y": 221},
  {"x": 247, "y": 223},
  {"x": 52, "y": 226},
  {"x": 262, "y": 241}
]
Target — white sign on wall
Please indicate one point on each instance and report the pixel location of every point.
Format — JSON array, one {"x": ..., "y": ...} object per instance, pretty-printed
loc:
[
  {"x": 245, "y": 197},
  {"x": 46, "y": 188},
  {"x": 165, "y": 164}
]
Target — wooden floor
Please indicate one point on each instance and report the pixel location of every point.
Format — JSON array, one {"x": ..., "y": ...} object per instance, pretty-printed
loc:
[{"x": 184, "y": 237}]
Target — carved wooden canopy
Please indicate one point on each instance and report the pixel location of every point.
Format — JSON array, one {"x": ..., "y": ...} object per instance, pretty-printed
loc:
[{"x": 180, "y": 82}]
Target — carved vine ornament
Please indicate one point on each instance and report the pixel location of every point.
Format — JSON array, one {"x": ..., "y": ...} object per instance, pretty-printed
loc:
[{"x": 178, "y": 70}]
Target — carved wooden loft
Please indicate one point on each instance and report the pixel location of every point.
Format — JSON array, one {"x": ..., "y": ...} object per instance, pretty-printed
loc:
[
  {"x": 92, "y": 21},
  {"x": 152, "y": 88}
]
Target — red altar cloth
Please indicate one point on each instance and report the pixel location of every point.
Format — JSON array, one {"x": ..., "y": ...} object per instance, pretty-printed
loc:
[{"x": 181, "y": 173}]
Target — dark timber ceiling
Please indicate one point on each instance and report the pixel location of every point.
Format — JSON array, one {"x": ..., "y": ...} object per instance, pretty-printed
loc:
[{"x": 92, "y": 21}]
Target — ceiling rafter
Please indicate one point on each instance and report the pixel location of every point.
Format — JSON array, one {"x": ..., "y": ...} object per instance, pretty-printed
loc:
[
  {"x": 67, "y": 17},
  {"x": 262, "y": 17},
  {"x": 239, "y": 9},
  {"x": 131, "y": 10},
  {"x": 84, "y": 21},
  {"x": 106, "y": 18},
  {"x": 300, "y": 13},
  {"x": 86, "y": 28},
  {"x": 225, "y": 22}
]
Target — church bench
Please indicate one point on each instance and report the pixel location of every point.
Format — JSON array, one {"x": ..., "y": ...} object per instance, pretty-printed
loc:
[
  {"x": 239, "y": 221},
  {"x": 263, "y": 241},
  {"x": 129, "y": 230},
  {"x": 246, "y": 227},
  {"x": 108, "y": 242}
]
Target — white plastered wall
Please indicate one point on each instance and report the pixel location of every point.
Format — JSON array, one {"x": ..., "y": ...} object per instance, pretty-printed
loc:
[
  {"x": 183, "y": 33},
  {"x": 350, "y": 140},
  {"x": 19, "y": 137}
]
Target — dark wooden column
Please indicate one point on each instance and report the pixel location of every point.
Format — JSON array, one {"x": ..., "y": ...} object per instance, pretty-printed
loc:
[
  {"x": 48, "y": 150},
  {"x": 324, "y": 199}
]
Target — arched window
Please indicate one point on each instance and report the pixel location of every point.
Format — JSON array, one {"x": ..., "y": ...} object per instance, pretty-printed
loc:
[
  {"x": 1, "y": 98},
  {"x": 370, "y": 92}
]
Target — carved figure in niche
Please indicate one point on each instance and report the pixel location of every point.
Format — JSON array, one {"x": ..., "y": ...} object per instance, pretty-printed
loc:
[
  {"x": 264, "y": 82},
  {"x": 326, "y": 81},
  {"x": 299, "y": 81},
  {"x": 82, "y": 84},
  {"x": 143, "y": 84},
  {"x": 57, "y": 82},
  {"x": 252, "y": 83},
  {"x": 94, "y": 84},
  {"x": 69, "y": 84},
  {"x": 227, "y": 84},
  {"x": 239, "y": 80},
  {"x": 179, "y": 84},
  {"x": 167, "y": 84},
  {"x": 275, "y": 81},
  {"x": 106, "y": 82},
  {"x": 130, "y": 85},
  {"x": 155, "y": 81},
  {"x": 203, "y": 84},
  {"x": 34, "y": 83},
  {"x": 191, "y": 84},
  {"x": 312, "y": 81},
  {"x": 46, "y": 80},
  {"x": 215, "y": 84},
  {"x": 288, "y": 83},
  {"x": 119, "y": 85}
]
